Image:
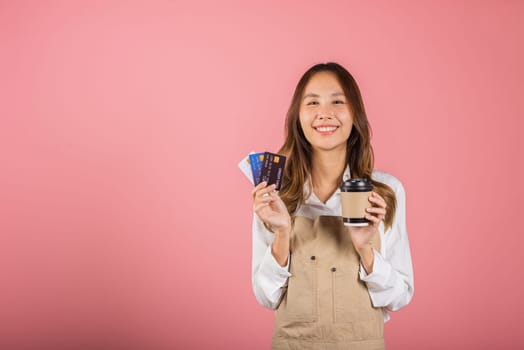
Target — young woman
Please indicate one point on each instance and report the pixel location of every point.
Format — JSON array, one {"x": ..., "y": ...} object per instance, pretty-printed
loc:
[{"x": 330, "y": 284}]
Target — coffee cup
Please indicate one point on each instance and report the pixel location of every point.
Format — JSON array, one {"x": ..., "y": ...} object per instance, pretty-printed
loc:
[{"x": 354, "y": 197}]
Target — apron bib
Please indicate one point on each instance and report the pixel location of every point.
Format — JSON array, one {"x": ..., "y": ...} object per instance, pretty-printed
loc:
[{"x": 326, "y": 305}]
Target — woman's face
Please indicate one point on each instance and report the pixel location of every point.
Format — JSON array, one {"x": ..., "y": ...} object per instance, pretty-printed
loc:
[{"x": 324, "y": 114}]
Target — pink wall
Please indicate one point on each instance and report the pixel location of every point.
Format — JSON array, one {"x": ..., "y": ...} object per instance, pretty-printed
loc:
[{"x": 125, "y": 222}]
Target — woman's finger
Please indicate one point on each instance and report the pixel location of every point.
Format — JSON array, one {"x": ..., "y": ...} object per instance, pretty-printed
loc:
[
  {"x": 258, "y": 187},
  {"x": 259, "y": 206},
  {"x": 264, "y": 199},
  {"x": 375, "y": 198},
  {"x": 372, "y": 218},
  {"x": 379, "y": 213},
  {"x": 279, "y": 202},
  {"x": 377, "y": 210},
  {"x": 264, "y": 191}
]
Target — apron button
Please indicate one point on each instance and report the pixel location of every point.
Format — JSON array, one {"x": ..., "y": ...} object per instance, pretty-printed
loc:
[
  {"x": 313, "y": 257},
  {"x": 333, "y": 269}
]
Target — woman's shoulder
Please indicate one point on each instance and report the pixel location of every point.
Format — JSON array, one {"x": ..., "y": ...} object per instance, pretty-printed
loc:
[{"x": 388, "y": 179}]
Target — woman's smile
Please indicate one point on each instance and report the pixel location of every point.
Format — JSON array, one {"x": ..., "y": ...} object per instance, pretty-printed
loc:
[{"x": 326, "y": 129}]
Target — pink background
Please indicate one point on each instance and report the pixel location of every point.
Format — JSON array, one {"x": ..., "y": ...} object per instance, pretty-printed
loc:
[{"x": 125, "y": 222}]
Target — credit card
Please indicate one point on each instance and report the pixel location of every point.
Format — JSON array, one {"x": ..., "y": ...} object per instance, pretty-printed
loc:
[
  {"x": 256, "y": 160},
  {"x": 245, "y": 167},
  {"x": 273, "y": 169}
]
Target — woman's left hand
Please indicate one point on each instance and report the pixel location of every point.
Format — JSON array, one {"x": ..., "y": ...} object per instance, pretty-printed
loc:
[{"x": 361, "y": 236}]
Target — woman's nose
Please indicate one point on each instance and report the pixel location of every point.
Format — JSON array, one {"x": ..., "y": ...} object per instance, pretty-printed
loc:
[{"x": 325, "y": 114}]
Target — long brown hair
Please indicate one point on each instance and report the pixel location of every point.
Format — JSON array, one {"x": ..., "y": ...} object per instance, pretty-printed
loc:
[{"x": 298, "y": 150}]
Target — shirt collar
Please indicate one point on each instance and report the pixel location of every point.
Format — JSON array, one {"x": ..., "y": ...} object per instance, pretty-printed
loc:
[{"x": 347, "y": 174}]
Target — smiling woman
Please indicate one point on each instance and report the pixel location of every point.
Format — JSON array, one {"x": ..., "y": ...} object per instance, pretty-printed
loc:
[
  {"x": 330, "y": 284},
  {"x": 324, "y": 111}
]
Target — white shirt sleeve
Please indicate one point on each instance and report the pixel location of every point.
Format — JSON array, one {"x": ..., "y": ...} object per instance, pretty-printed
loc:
[
  {"x": 269, "y": 279},
  {"x": 390, "y": 284}
]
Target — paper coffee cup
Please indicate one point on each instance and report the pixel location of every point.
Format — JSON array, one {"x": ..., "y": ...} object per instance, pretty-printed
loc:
[{"x": 354, "y": 195}]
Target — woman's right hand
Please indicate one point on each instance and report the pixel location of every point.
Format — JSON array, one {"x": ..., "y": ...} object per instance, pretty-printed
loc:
[{"x": 270, "y": 208}]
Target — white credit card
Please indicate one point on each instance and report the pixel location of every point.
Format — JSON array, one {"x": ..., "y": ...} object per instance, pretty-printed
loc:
[{"x": 245, "y": 167}]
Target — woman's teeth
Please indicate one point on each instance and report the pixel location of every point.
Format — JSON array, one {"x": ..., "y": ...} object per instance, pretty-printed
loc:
[{"x": 327, "y": 129}]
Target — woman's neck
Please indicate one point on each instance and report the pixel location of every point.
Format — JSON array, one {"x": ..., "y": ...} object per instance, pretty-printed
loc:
[{"x": 326, "y": 173}]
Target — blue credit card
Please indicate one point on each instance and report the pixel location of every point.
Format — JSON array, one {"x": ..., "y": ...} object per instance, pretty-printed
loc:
[{"x": 256, "y": 160}]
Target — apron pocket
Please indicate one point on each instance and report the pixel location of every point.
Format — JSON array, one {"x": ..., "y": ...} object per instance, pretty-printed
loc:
[
  {"x": 351, "y": 301},
  {"x": 302, "y": 295}
]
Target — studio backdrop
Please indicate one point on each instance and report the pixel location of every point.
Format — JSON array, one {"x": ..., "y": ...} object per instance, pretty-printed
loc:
[{"x": 125, "y": 222}]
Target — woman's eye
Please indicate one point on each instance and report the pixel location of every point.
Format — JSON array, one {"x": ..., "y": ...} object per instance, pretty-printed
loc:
[
  {"x": 338, "y": 102},
  {"x": 310, "y": 103}
]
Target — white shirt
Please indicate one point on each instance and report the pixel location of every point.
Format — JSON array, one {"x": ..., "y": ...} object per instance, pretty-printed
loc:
[{"x": 390, "y": 285}]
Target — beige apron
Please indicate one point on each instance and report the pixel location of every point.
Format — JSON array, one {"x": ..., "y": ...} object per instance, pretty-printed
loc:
[{"x": 326, "y": 305}]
